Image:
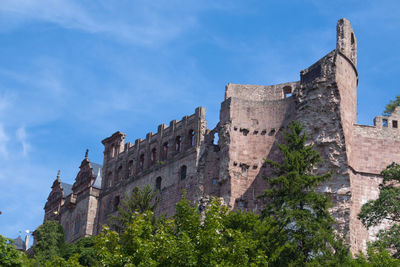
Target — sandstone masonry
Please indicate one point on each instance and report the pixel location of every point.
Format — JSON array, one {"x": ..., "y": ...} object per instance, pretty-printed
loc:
[{"x": 183, "y": 155}]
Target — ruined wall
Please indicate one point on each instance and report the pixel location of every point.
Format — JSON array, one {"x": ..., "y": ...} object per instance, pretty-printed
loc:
[
  {"x": 167, "y": 160},
  {"x": 374, "y": 148},
  {"x": 251, "y": 117}
]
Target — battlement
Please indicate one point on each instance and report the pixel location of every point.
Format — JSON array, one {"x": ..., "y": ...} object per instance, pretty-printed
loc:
[{"x": 122, "y": 161}]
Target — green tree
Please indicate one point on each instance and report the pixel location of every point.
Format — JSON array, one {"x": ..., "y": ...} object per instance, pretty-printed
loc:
[
  {"x": 385, "y": 207},
  {"x": 301, "y": 227},
  {"x": 83, "y": 249},
  {"x": 9, "y": 256},
  {"x": 184, "y": 240},
  {"x": 140, "y": 200},
  {"x": 391, "y": 106},
  {"x": 50, "y": 241}
]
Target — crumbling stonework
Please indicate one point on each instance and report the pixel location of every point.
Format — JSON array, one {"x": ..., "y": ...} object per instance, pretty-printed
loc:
[{"x": 184, "y": 157}]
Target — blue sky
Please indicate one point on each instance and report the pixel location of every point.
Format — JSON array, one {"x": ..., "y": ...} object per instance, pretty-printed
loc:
[{"x": 72, "y": 72}]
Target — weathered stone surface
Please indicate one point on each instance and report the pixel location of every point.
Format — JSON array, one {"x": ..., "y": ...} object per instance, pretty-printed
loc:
[{"x": 184, "y": 156}]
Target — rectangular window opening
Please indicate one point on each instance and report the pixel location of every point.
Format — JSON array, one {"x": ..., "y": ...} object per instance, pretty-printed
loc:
[
  {"x": 394, "y": 124},
  {"x": 385, "y": 123}
]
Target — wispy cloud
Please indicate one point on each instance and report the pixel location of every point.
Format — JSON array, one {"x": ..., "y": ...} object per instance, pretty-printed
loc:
[{"x": 142, "y": 23}]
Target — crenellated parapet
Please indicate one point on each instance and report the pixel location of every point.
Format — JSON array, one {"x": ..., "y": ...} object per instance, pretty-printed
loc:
[{"x": 124, "y": 161}]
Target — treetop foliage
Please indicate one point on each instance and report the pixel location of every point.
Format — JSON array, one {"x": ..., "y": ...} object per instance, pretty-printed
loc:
[{"x": 391, "y": 106}]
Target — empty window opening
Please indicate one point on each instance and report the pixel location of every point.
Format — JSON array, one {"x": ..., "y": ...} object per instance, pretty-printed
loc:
[
  {"x": 158, "y": 183},
  {"x": 234, "y": 163},
  {"x": 112, "y": 151},
  {"x": 214, "y": 181},
  {"x": 165, "y": 148},
  {"x": 141, "y": 161},
  {"x": 116, "y": 203},
  {"x": 352, "y": 38},
  {"x": 385, "y": 123},
  {"x": 178, "y": 143},
  {"x": 216, "y": 139},
  {"x": 153, "y": 155},
  {"x": 130, "y": 167},
  {"x": 255, "y": 132},
  {"x": 191, "y": 138},
  {"x": 263, "y": 132},
  {"x": 394, "y": 124},
  {"x": 119, "y": 173},
  {"x": 287, "y": 91},
  {"x": 183, "y": 172}
]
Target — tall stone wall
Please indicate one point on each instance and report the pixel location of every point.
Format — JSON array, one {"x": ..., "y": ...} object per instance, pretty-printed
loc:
[{"x": 169, "y": 156}]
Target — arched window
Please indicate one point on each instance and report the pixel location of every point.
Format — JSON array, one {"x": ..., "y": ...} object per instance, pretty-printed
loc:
[
  {"x": 165, "y": 148},
  {"x": 141, "y": 161},
  {"x": 153, "y": 155},
  {"x": 183, "y": 172},
  {"x": 178, "y": 143},
  {"x": 158, "y": 183},
  {"x": 191, "y": 138}
]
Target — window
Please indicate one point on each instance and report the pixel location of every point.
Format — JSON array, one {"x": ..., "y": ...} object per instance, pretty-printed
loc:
[
  {"x": 214, "y": 181},
  {"x": 178, "y": 144},
  {"x": 183, "y": 172},
  {"x": 119, "y": 173},
  {"x": 112, "y": 151},
  {"x": 394, "y": 124},
  {"x": 116, "y": 203},
  {"x": 141, "y": 161},
  {"x": 153, "y": 155},
  {"x": 130, "y": 167},
  {"x": 191, "y": 138},
  {"x": 385, "y": 123},
  {"x": 77, "y": 226},
  {"x": 165, "y": 147},
  {"x": 158, "y": 183},
  {"x": 287, "y": 91}
]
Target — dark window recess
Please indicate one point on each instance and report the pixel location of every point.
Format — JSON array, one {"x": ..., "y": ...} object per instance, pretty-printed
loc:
[
  {"x": 178, "y": 144},
  {"x": 394, "y": 124},
  {"x": 141, "y": 161},
  {"x": 214, "y": 181},
  {"x": 183, "y": 172},
  {"x": 158, "y": 183},
  {"x": 116, "y": 203},
  {"x": 385, "y": 123},
  {"x": 165, "y": 147},
  {"x": 191, "y": 138},
  {"x": 130, "y": 166},
  {"x": 153, "y": 155}
]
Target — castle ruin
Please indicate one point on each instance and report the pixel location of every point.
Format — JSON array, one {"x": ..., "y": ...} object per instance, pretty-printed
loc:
[{"x": 183, "y": 155}]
